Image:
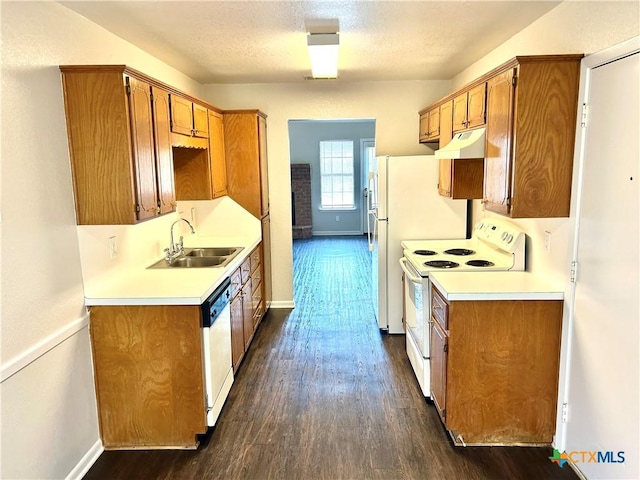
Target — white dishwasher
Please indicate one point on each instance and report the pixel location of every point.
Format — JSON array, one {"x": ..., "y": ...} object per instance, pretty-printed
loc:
[{"x": 216, "y": 342}]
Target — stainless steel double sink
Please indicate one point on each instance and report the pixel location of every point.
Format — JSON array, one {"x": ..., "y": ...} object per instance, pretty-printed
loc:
[{"x": 201, "y": 257}]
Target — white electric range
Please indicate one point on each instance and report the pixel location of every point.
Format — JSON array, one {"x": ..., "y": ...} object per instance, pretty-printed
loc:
[{"x": 495, "y": 245}]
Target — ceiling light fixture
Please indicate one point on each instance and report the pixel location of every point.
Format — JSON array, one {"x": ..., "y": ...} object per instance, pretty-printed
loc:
[{"x": 323, "y": 51}]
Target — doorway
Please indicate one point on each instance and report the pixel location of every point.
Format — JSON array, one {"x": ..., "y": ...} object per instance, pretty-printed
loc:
[{"x": 333, "y": 151}]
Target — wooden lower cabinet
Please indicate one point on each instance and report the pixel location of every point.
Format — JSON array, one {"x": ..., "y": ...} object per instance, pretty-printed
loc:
[
  {"x": 247, "y": 305},
  {"x": 494, "y": 369},
  {"x": 237, "y": 331},
  {"x": 149, "y": 378},
  {"x": 247, "y": 314}
]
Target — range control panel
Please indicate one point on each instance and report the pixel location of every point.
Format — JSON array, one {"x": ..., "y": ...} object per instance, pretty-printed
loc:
[{"x": 499, "y": 234}]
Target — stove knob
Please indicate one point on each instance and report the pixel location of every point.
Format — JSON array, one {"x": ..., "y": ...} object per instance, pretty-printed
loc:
[{"x": 509, "y": 238}]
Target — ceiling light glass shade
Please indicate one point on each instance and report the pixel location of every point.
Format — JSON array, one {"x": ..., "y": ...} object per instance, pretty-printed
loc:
[{"x": 323, "y": 51}]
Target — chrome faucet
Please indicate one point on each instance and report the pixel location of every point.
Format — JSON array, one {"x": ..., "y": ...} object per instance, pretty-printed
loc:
[{"x": 176, "y": 250}]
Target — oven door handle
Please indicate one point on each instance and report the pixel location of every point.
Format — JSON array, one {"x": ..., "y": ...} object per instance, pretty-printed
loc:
[{"x": 409, "y": 273}]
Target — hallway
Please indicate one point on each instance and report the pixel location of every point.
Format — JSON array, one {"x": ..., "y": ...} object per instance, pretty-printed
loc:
[{"x": 322, "y": 394}]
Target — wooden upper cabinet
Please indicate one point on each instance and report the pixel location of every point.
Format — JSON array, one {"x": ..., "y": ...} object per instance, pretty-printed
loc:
[
  {"x": 181, "y": 115},
  {"x": 264, "y": 167},
  {"x": 246, "y": 158},
  {"x": 423, "y": 135},
  {"x": 497, "y": 186},
  {"x": 446, "y": 134},
  {"x": 535, "y": 102},
  {"x": 533, "y": 99},
  {"x": 164, "y": 155},
  {"x": 460, "y": 178},
  {"x": 117, "y": 145},
  {"x": 430, "y": 125},
  {"x": 469, "y": 108},
  {"x": 188, "y": 118},
  {"x": 476, "y": 106},
  {"x": 143, "y": 147},
  {"x": 216, "y": 154},
  {"x": 434, "y": 123},
  {"x": 460, "y": 112}
]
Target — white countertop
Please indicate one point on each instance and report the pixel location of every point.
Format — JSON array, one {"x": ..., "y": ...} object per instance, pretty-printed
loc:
[
  {"x": 139, "y": 285},
  {"x": 494, "y": 286}
]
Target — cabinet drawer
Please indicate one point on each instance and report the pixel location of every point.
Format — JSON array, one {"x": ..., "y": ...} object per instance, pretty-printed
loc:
[
  {"x": 256, "y": 258},
  {"x": 439, "y": 309},
  {"x": 236, "y": 282},
  {"x": 256, "y": 278},
  {"x": 245, "y": 269}
]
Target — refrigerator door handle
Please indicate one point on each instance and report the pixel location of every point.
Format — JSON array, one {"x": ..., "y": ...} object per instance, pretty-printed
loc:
[{"x": 372, "y": 232}]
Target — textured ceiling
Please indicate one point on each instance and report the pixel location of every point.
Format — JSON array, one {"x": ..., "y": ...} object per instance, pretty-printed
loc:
[{"x": 265, "y": 41}]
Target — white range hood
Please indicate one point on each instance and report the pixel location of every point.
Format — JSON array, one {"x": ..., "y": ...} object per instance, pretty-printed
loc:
[{"x": 469, "y": 144}]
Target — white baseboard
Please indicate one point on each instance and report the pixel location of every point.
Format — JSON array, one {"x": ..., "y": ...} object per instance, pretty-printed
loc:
[
  {"x": 86, "y": 462},
  {"x": 283, "y": 304},
  {"x": 337, "y": 233}
]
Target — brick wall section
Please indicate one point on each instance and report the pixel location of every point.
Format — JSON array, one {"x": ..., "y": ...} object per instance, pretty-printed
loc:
[{"x": 301, "y": 200}]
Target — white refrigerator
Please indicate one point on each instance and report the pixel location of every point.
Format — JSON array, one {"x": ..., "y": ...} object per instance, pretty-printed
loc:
[{"x": 404, "y": 204}]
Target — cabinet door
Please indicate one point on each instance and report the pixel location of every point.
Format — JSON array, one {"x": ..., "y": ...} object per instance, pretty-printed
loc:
[
  {"x": 434, "y": 123},
  {"x": 438, "y": 350},
  {"x": 264, "y": 175},
  {"x": 424, "y": 127},
  {"x": 446, "y": 134},
  {"x": 241, "y": 155},
  {"x": 237, "y": 331},
  {"x": 181, "y": 115},
  {"x": 460, "y": 112},
  {"x": 200, "y": 121},
  {"x": 476, "y": 106},
  {"x": 164, "y": 154},
  {"x": 148, "y": 368},
  {"x": 247, "y": 313},
  {"x": 266, "y": 262},
  {"x": 498, "y": 152},
  {"x": 216, "y": 152},
  {"x": 143, "y": 148}
]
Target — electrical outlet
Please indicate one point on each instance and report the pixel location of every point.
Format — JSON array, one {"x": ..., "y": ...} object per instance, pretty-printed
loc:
[
  {"x": 193, "y": 217},
  {"x": 337, "y": 218},
  {"x": 547, "y": 240},
  {"x": 113, "y": 247}
]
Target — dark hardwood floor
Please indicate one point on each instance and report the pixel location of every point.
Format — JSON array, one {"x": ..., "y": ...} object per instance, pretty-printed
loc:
[{"x": 322, "y": 394}]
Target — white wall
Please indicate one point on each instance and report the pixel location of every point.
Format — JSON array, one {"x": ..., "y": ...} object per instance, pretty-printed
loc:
[
  {"x": 394, "y": 106},
  {"x": 49, "y": 420}
]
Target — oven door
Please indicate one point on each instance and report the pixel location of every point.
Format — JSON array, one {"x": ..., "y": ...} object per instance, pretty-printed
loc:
[{"x": 416, "y": 297}]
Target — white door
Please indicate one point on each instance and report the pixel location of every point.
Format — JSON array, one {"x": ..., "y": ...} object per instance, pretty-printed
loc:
[{"x": 603, "y": 399}]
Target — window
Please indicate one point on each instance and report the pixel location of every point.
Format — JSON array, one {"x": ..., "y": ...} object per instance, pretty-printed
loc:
[{"x": 336, "y": 175}]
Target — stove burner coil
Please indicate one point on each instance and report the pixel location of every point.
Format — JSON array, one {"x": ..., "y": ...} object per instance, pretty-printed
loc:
[
  {"x": 425, "y": 252},
  {"x": 441, "y": 264},
  {"x": 459, "y": 251},
  {"x": 480, "y": 263}
]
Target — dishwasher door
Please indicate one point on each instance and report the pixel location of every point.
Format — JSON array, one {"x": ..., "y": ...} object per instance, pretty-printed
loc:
[{"x": 216, "y": 341}]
